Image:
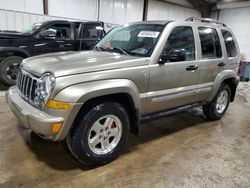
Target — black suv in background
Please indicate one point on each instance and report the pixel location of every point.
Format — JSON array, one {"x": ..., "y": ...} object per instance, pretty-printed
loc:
[{"x": 42, "y": 38}]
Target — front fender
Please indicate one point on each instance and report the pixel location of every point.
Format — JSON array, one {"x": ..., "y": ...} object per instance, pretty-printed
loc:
[
  {"x": 226, "y": 74},
  {"x": 81, "y": 93}
]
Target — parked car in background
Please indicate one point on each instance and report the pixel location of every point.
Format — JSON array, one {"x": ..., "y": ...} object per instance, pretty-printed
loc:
[{"x": 44, "y": 37}]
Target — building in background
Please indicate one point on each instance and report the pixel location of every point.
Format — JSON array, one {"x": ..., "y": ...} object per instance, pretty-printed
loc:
[{"x": 18, "y": 14}]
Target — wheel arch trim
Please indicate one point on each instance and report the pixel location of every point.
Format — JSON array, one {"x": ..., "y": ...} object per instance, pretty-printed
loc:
[
  {"x": 222, "y": 77},
  {"x": 81, "y": 93},
  {"x": 14, "y": 49}
]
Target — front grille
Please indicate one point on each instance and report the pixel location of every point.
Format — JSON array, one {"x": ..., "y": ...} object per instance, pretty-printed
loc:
[{"x": 27, "y": 85}]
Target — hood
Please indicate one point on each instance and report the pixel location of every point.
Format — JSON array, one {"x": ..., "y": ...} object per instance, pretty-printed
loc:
[
  {"x": 6, "y": 35},
  {"x": 70, "y": 63}
]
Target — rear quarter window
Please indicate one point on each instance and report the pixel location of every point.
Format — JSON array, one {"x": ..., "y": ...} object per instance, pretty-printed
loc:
[{"x": 229, "y": 43}]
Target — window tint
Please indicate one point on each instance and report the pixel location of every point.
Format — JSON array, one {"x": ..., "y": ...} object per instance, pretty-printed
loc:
[
  {"x": 210, "y": 43},
  {"x": 90, "y": 31},
  {"x": 181, "y": 38},
  {"x": 230, "y": 44},
  {"x": 60, "y": 31}
]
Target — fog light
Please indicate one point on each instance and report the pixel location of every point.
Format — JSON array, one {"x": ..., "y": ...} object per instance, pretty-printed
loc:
[
  {"x": 56, "y": 127},
  {"x": 58, "y": 104}
]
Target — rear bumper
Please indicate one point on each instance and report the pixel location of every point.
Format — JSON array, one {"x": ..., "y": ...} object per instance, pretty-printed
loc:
[
  {"x": 237, "y": 80},
  {"x": 30, "y": 117}
]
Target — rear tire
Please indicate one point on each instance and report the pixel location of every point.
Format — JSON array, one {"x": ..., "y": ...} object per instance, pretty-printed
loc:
[
  {"x": 100, "y": 135},
  {"x": 9, "y": 68},
  {"x": 218, "y": 107}
]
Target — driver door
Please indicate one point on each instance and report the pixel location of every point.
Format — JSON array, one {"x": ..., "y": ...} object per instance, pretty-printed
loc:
[
  {"x": 56, "y": 37},
  {"x": 173, "y": 84}
]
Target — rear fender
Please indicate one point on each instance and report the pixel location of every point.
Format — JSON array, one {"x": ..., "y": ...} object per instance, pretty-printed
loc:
[{"x": 226, "y": 74}]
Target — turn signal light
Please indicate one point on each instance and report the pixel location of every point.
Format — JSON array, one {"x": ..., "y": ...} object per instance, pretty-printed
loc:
[
  {"x": 58, "y": 104},
  {"x": 56, "y": 127}
]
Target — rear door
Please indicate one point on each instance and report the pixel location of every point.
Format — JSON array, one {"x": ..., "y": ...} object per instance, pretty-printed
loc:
[
  {"x": 211, "y": 59},
  {"x": 173, "y": 84}
]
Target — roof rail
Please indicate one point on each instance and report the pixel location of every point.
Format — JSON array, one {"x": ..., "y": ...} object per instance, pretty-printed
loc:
[{"x": 208, "y": 20}]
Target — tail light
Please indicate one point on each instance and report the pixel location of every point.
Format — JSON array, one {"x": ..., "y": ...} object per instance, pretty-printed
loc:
[{"x": 239, "y": 67}]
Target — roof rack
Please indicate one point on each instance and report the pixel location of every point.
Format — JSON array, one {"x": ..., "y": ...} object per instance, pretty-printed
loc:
[{"x": 208, "y": 20}]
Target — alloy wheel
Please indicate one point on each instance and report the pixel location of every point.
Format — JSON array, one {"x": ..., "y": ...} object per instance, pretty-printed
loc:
[{"x": 105, "y": 134}]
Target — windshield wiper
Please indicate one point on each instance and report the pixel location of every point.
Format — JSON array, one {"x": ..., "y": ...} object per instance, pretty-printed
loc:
[
  {"x": 122, "y": 51},
  {"x": 99, "y": 48},
  {"x": 115, "y": 49}
]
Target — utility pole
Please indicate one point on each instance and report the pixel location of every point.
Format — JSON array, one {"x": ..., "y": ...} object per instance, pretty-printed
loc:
[
  {"x": 45, "y": 7},
  {"x": 145, "y": 10}
]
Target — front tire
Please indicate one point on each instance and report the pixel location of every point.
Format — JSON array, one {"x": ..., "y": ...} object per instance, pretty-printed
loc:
[
  {"x": 9, "y": 68},
  {"x": 218, "y": 107},
  {"x": 101, "y": 134}
]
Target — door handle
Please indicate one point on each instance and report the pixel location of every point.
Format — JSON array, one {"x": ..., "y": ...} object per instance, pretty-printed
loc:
[
  {"x": 68, "y": 45},
  {"x": 192, "y": 67},
  {"x": 221, "y": 64}
]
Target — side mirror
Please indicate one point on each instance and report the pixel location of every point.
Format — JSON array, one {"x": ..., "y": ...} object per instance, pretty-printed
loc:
[
  {"x": 48, "y": 34},
  {"x": 173, "y": 56}
]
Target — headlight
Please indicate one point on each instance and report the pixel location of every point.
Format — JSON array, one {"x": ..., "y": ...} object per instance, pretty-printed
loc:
[{"x": 44, "y": 89}]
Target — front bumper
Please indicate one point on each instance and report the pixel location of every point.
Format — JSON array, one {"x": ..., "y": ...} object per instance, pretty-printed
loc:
[{"x": 30, "y": 117}]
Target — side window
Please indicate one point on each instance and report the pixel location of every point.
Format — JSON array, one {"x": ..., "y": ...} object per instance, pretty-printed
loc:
[
  {"x": 77, "y": 29},
  {"x": 59, "y": 31},
  {"x": 181, "y": 38},
  {"x": 90, "y": 31},
  {"x": 230, "y": 44},
  {"x": 210, "y": 43}
]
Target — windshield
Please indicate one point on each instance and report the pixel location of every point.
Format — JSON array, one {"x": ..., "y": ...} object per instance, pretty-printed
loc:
[
  {"x": 135, "y": 39},
  {"x": 31, "y": 29}
]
